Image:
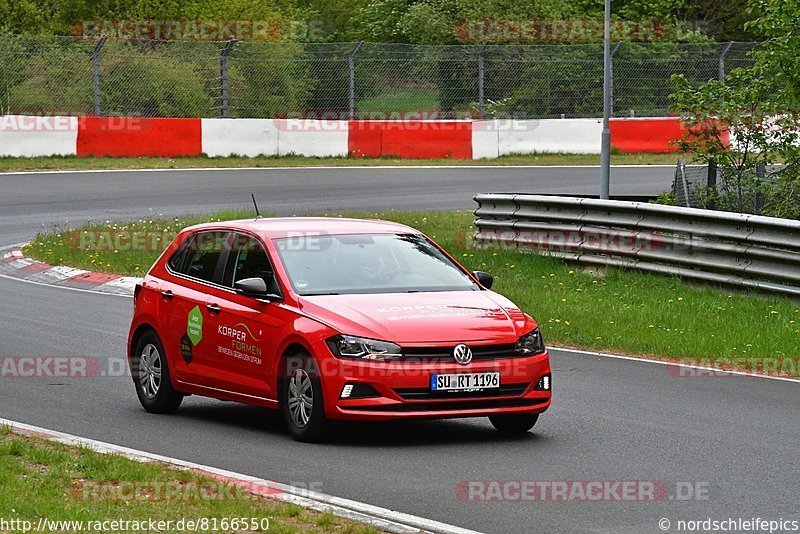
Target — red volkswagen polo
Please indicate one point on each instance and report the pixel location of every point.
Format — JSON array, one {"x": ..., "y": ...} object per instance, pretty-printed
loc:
[{"x": 332, "y": 319}]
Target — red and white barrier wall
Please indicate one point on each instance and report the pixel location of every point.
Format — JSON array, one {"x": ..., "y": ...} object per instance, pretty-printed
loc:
[{"x": 167, "y": 137}]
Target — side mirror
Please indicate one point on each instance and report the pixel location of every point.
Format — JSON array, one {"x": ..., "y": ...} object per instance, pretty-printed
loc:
[
  {"x": 256, "y": 288},
  {"x": 485, "y": 279}
]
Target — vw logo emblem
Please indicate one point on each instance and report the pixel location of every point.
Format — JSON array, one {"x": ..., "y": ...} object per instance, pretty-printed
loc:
[{"x": 462, "y": 354}]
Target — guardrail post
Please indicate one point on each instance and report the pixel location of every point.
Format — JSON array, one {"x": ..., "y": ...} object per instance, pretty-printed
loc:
[
  {"x": 224, "y": 87},
  {"x": 351, "y": 67},
  {"x": 96, "y": 73}
]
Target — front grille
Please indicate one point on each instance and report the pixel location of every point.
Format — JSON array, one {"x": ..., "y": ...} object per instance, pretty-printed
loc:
[
  {"x": 508, "y": 390},
  {"x": 445, "y": 354},
  {"x": 442, "y": 406}
]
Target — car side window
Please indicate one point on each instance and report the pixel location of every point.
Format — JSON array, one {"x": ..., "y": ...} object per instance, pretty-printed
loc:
[
  {"x": 178, "y": 259},
  {"x": 248, "y": 259},
  {"x": 203, "y": 255}
]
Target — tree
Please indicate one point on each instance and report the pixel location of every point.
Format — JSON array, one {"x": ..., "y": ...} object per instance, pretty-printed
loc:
[{"x": 758, "y": 107}]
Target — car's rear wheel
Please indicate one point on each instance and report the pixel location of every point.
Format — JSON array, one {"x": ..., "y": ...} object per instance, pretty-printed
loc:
[
  {"x": 151, "y": 376},
  {"x": 301, "y": 400},
  {"x": 514, "y": 424}
]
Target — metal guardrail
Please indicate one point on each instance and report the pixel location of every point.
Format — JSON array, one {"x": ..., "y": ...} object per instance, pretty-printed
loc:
[{"x": 749, "y": 251}]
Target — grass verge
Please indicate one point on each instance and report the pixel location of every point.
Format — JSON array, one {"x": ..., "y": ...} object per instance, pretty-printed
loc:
[
  {"x": 9, "y": 164},
  {"x": 43, "y": 479},
  {"x": 621, "y": 311}
]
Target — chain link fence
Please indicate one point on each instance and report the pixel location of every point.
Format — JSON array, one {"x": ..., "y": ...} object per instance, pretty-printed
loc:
[
  {"x": 80, "y": 76},
  {"x": 740, "y": 190}
]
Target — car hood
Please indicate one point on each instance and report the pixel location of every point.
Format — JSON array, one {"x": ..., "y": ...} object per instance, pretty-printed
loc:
[{"x": 451, "y": 316}]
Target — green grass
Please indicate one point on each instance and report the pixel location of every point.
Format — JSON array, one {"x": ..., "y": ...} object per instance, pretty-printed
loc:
[
  {"x": 9, "y": 164},
  {"x": 620, "y": 311},
  {"x": 39, "y": 479}
]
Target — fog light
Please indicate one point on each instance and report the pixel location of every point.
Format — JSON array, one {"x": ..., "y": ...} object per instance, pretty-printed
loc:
[
  {"x": 357, "y": 390},
  {"x": 544, "y": 383}
]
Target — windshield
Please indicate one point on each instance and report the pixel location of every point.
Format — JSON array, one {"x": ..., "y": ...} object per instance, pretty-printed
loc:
[{"x": 368, "y": 263}]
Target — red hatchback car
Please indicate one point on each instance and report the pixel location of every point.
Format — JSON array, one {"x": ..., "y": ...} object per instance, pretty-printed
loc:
[{"x": 332, "y": 319}]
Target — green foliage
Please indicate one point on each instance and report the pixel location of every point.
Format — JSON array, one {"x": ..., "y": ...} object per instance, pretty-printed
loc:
[
  {"x": 270, "y": 88},
  {"x": 63, "y": 70},
  {"x": 758, "y": 106},
  {"x": 148, "y": 84},
  {"x": 412, "y": 21}
]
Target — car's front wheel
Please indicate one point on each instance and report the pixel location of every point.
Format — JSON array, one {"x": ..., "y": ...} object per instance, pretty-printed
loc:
[
  {"x": 514, "y": 424},
  {"x": 301, "y": 400},
  {"x": 151, "y": 376}
]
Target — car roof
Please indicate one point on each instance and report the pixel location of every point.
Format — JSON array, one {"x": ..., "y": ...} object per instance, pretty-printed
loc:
[{"x": 274, "y": 227}]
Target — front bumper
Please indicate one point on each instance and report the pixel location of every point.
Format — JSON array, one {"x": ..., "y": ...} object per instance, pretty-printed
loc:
[{"x": 402, "y": 390}]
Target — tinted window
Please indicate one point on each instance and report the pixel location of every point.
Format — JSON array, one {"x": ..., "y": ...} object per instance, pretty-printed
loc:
[
  {"x": 249, "y": 260},
  {"x": 177, "y": 261},
  {"x": 203, "y": 254}
]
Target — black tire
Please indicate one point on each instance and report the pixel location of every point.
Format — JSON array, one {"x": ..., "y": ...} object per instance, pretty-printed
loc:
[
  {"x": 155, "y": 394},
  {"x": 514, "y": 424},
  {"x": 305, "y": 423}
]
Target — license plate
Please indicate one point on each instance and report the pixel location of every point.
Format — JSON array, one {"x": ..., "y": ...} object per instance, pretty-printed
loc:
[{"x": 465, "y": 381}]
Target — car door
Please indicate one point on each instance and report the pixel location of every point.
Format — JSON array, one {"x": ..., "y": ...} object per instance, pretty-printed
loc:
[
  {"x": 247, "y": 331},
  {"x": 183, "y": 309}
]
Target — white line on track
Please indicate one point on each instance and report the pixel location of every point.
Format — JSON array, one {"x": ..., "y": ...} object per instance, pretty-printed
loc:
[
  {"x": 381, "y": 518},
  {"x": 34, "y": 282},
  {"x": 328, "y": 168},
  {"x": 675, "y": 363}
]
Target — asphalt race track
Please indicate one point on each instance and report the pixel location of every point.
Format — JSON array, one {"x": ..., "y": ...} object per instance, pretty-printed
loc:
[
  {"x": 36, "y": 201},
  {"x": 736, "y": 438}
]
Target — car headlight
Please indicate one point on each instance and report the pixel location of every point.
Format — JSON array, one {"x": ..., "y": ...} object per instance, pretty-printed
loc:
[
  {"x": 530, "y": 343},
  {"x": 359, "y": 348}
]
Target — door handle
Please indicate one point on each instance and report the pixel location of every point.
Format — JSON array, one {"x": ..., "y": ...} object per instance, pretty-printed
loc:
[
  {"x": 167, "y": 294},
  {"x": 213, "y": 308}
]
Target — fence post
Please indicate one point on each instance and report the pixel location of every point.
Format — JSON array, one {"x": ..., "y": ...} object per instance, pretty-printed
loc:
[
  {"x": 711, "y": 181},
  {"x": 614, "y": 49},
  {"x": 481, "y": 109},
  {"x": 96, "y": 73},
  {"x": 351, "y": 67},
  {"x": 224, "y": 86},
  {"x": 722, "y": 55},
  {"x": 761, "y": 175}
]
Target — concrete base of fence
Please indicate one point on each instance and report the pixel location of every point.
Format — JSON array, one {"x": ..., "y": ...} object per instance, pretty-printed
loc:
[
  {"x": 168, "y": 137},
  {"x": 28, "y": 136}
]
